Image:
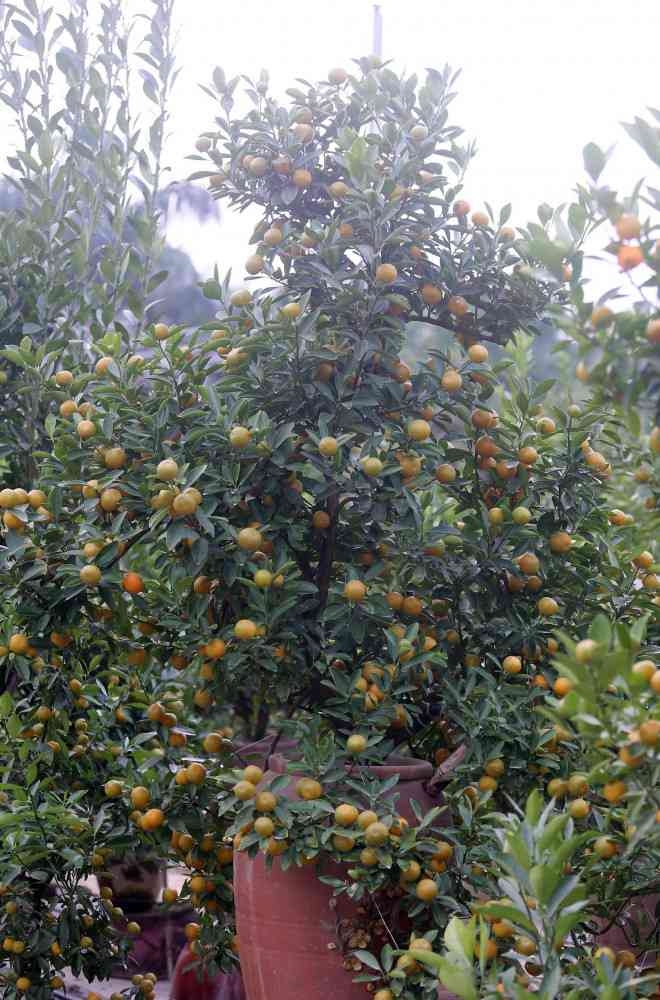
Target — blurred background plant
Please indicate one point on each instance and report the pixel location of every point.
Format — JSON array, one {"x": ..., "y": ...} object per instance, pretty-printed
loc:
[{"x": 84, "y": 206}]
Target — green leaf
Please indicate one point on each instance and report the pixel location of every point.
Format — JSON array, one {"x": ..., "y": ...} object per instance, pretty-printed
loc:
[
  {"x": 550, "y": 254},
  {"x": 459, "y": 937},
  {"x": 551, "y": 979},
  {"x": 504, "y": 911},
  {"x": 562, "y": 892},
  {"x": 638, "y": 629},
  {"x": 134, "y": 302},
  {"x": 594, "y": 160},
  {"x": 14, "y": 727},
  {"x": 577, "y": 218},
  {"x": 646, "y": 136},
  {"x": 569, "y": 918},
  {"x": 14, "y": 356},
  {"x": 45, "y": 148},
  {"x": 212, "y": 289},
  {"x": 177, "y": 532},
  {"x": 544, "y": 880},
  {"x": 600, "y": 630},
  {"x": 110, "y": 342},
  {"x": 553, "y": 833},
  {"x": 368, "y": 959},
  {"x": 545, "y": 212},
  {"x": 542, "y": 388},
  {"x": 534, "y": 807},
  {"x": 633, "y": 422},
  {"x": 155, "y": 280},
  {"x": 454, "y": 973},
  {"x": 356, "y": 159}
]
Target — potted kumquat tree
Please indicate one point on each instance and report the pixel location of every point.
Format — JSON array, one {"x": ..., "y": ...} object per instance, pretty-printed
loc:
[{"x": 335, "y": 627}]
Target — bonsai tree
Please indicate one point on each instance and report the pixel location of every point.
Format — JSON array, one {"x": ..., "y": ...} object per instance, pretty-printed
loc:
[{"x": 283, "y": 523}]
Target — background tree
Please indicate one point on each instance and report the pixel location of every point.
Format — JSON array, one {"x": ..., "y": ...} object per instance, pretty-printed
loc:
[{"x": 79, "y": 251}]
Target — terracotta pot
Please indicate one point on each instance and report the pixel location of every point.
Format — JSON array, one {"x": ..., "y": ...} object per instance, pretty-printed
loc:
[
  {"x": 187, "y": 986},
  {"x": 636, "y": 922},
  {"x": 289, "y": 925}
]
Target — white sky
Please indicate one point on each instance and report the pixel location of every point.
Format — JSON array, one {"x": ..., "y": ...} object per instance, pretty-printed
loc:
[{"x": 540, "y": 78}]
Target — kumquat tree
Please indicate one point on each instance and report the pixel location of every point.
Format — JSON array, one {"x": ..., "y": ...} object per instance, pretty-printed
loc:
[{"x": 356, "y": 638}]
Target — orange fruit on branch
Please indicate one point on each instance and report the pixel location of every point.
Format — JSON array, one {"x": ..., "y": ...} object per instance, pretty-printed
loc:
[
  {"x": 132, "y": 583},
  {"x": 628, "y": 227},
  {"x": 90, "y": 575},
  {"x": 629, "y": 257},
  {"x": 355, "y": 591}
]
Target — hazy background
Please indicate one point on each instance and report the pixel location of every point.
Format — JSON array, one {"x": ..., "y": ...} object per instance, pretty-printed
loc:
[{"x": 539, "y": 80}]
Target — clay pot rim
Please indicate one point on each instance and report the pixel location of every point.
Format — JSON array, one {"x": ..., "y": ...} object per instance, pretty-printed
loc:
[{"x": 408, "y": 768}]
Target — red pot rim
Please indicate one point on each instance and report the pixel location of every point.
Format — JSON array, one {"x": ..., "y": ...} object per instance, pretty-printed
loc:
[{"x": 408, "y": 768}]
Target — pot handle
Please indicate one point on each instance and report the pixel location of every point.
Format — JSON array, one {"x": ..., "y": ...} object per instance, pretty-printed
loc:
[{"x": 444, "y": 772}]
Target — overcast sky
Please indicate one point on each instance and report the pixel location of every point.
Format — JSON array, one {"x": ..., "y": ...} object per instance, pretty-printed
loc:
[{"x": 539, "y": 79}]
